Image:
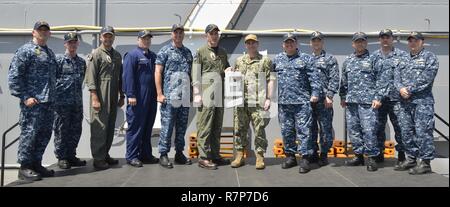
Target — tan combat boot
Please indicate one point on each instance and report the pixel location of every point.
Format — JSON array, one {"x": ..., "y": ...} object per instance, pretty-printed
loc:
[
  {"x": 260, "y": 161},
  {"x": 239, "y": 159}
]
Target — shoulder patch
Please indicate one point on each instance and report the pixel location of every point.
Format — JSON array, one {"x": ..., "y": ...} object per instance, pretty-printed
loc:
[{"x": 89, "y": 57}]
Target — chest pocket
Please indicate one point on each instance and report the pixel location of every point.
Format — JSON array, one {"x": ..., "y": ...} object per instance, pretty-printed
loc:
[
  {"x": 107, "y": 68},
  {"x": 321, "y": 64},
  {"x": 221, "y": 61},
  {"x": 395, "y": 63},
  {"x": 366, "y": 67},
  {"x": 215, "y": 65},
  {"x": 187, "y": 62},
  {"x": 419, "y": 65},
  {"x": 143, "y": 63},
  {"x": 180, "y": 62},
  {"x": 296, "y": 69},
  {"x": 298, "y": 64},
  {"x": 68, "y": 68},
  {"x": 293, "y": 70},
  {"x": 41, "y": 56},
  {"x": 42, "y": 59},
  {"x": 175, "y": 57},
  {"x": 285, "y": 69}
]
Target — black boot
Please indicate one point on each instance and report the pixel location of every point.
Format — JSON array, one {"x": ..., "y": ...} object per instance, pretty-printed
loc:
[
  {"x": 100, "y": 165},
  {"x": 372, "y": 164},
  {"x": 323, "y": 160},
  {"x": 151, "y": 160},
  {"x": 357, "y": 160},
  {"x": 406, "y": 164},
  {"x": 44, "y": 172},
  {"x": 289, "y": 161},
  {"x": 64, "y": 164},
  {"x": 423, "y": 168},
  {"x": 76, "y": 162},
  {"x": 165, "y": 162},
  {"x": 180, "y": 159},
  {"x": 27, "y": 173},
  {"x": 304, "y": 164},
  {"x": 207, "y": 164},
  {"x": 111, "y": 161},
  {"x": 314, "y": 158}
]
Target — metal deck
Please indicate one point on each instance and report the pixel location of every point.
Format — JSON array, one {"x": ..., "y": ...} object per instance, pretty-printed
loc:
[{"x": 333, "y": 175}]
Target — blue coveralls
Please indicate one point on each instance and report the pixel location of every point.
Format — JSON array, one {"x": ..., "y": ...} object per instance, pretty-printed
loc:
[{"x": 139, "y": 83}]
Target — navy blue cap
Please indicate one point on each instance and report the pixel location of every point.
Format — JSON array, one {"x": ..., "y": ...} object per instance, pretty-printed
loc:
[
  {"x": 211, "y": 27},
  {"x": 40, "y": 24},
  {"x": 177, "y": 26},
  {"x": 316, "y": 35},
  {"x": 416, "y": 35},
  {"x": 386, "y": 32},
  {"x": 359, "y": 36},
  {"x": 107, "y": 30},
  {"x": 70, "y": 36},
  {"x": 144, "y": 33},
  {"x": 289, "y": 36}
]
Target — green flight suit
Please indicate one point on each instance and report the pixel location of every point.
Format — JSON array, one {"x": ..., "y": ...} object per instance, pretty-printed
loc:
[
  {"x": 209, "y": 65},
  {"x": 104, "y": 75}
]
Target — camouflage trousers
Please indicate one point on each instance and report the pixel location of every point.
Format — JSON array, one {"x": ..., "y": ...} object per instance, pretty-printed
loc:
[
  {"x": 323, "y": 120},
  {"x": 362, "y": 122},
  {"x": 242, "y": 118},
  {"x": 67, "y": 129},
  {"x": 393, "y": 109},
  {"x": 36, "y": 130},
  {"x": 172, "y": 117},
  {"x": 417, "y": 125},
  {"x": 295, "y": 121},
  {"x": 209, "y": 129}
]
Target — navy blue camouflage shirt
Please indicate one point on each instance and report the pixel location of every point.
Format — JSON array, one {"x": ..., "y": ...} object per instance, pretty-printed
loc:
[
  {"x": 177, "y": 63},
  {"x": 388, "y": 63},
  {"x": 361, "y": 82},
  {"x": 328, "y": 69},
  {"x": 69, "y": 80},
  {"x": 297, "y": 78},
  {"x": 418, "y": 76},
  {"x": 32, "y": 73}
]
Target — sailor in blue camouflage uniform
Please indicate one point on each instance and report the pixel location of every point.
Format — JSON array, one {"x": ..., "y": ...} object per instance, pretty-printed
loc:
[
  {"x": 328, "y": 69},
  {"x": 387, "y": 59},
  {"x": 298, "y": 85},
  {"x": 361, "y": 93},
  {"x": 69, "y": 103},
  {"x": 32, "y": 79},
  {"x": 172, "y": 76},
  {"x": 139, "y": 87},
  {"x": 415, "y": 84}
]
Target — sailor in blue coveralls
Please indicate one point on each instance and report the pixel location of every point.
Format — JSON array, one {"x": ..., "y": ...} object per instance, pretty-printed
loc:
[{"x": 139, "y": 87}]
